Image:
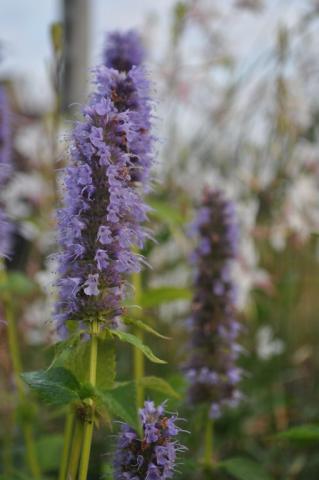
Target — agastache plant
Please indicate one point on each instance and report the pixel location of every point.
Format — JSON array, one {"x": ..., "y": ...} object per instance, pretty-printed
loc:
[
  {"x": 100, "y": 224},
  {"x": 212, "y": 370},
  {"x": 152, "y": 457},
  {"x": 111, "y": 156},
  {"x": 5, "y": 171}
]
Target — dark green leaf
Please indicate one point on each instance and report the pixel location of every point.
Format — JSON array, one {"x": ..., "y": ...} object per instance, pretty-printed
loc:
[
  {"x": 302, "y": 434},
  {"x": 133, "y": 340},
  {"x": 56, "y": 386},
  {"x": 159, "y": 385},
  {"x": 156, "y": 296},
  {"x": 244, "y": 469}
]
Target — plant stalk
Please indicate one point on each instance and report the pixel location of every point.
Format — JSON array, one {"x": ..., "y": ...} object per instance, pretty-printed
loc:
[
  {"x": 139, "y": 366},
  {"x": 75, "y": 452},
  {"x": 208, "y": 445},
  {"x": 31, "y": 454},
  {"x": 89, "y": 422},
  {"x": 69, "y": 423}
]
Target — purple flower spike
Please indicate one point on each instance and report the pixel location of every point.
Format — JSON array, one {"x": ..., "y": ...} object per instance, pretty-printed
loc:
[
  {"x": 211, "y": 370},
  {"x": 5, "y": 171},
  {"x": 123, "y": 51},
  {"x": 153, "y": 457},
  {"x": 101, "y": 221}
]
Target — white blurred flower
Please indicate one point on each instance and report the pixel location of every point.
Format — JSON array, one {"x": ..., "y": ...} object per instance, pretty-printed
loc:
[
  {"x": 267, "y": 345},
  {"x": 25, "y": 190},
  {"x": 301, "y": 209},
  {"x": 38, "y": 322}
]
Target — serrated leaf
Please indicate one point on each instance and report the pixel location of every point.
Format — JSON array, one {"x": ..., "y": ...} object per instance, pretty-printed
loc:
[
  {"x": 144, "y": 326},
  {"x": 244, "y": 469},
  {"x": 159, "y": 385},
  {"x": 157, "y": 296},
  {"x": 57, "y": 386},
  {"x": 112, "y": 402},
  {"x": 301, "y": 434},
  {"x": 16, "y": 283},
  {"x": 133, "y": 340},
  {"x": 76, "y": 358}
]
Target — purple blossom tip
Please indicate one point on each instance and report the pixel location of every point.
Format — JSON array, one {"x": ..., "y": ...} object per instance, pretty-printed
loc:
[{"x": 123, "y": 50}]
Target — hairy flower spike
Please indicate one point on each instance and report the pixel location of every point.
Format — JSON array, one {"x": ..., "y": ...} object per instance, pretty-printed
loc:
[
  {"x": 100, "y": 224},
  {"x": 212, "y": 370},
  {"x": 153, "y": 457},
  {"x": 5, "y": 170},
  {"x": 123, "y": 51}
]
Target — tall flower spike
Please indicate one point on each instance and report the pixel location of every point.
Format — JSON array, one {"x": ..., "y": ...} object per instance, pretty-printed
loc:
[
  {"x": 5, "y": 170},
  {"x": 111, "y": 155},
  {"x": 152, "y": 457},
  {"x": 123, "y": 50},
  {"x": 211, "y": 369}
]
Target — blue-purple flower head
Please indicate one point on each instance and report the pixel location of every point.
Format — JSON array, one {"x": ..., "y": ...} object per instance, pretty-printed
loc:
[
  {"x": 5, "y": 170},
  {"x": 123, "y": 51},
  {"x": 100, "y": 224},
  {"x": 212, "y": 368},
  {"x": 152, "y": 457}
]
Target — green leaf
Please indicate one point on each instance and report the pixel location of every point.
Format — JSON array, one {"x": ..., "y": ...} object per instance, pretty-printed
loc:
[
  {"x": 308, "y": 434},
  {"x": 120, "y": 406},
  {"x": 144, "y": 326},
  {"x": 76, "y": 358},
  {"x": 56, "y": 386},
  {"x": 166, "y": 213},
  {"x": 133, "y": 340},
  {"x": 244, "y": 469},
  {"x": 159, "y": 385},
  {"x": 16, "y": 283},
  {"x": 49, "y": 449},
  {"x": 156, "y": 296}
]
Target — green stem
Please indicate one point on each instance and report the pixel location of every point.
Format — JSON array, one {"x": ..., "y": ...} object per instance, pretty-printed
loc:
[
  {"x": 31, "y": 451},
  {"x": 208, "y": 445},
  {"x": 89, "y": 422},
  {"x": 75, "y": 451},
  {"x": 31, "y": 454},
  {"x": 66, "y": 444},
  {"x": 7, "y": 454},
  {"x": 139, "y": 366}
]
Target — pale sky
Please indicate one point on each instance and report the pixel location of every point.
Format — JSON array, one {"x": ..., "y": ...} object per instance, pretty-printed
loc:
[{"x": 24, "y": 32}]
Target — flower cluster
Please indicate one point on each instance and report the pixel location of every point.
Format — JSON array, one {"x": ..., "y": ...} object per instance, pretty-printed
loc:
[
  {"x": 212, "y": 370},
  {"x": 5, "y": 170},
  {"x": 123, "y": 51},
  {"x": 100, "y": 224},
  {"x": 154, "y": 456}
]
